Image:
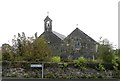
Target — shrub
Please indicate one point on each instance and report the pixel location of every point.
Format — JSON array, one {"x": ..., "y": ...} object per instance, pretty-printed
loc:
[
  {"x": 115, "y": 66},
  {"x": 80, "y": 62},
  {"x": 100, "y": 67},
  {"x": 81, "y": 59},
  {"x": 55, "y": 59}
]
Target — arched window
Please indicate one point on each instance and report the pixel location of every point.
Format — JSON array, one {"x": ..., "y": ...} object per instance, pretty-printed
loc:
[{"x": 48, "y": 24}]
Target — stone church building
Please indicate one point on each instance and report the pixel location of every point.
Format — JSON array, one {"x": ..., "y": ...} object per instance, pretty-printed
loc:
[{"x": 76, "y": 44}]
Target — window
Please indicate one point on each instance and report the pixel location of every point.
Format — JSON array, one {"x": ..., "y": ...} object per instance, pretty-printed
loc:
[{"x": 48, "y": 24}]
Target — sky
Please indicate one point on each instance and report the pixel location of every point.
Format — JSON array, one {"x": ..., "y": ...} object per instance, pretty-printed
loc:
[{"x": 96, "y": 18}]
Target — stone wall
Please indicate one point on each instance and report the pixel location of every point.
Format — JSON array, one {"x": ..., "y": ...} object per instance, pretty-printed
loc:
[{"x": 56, "y": 70}]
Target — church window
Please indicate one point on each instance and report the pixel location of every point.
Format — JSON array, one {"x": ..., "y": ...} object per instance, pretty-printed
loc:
[{"x": 48, "y": 24}]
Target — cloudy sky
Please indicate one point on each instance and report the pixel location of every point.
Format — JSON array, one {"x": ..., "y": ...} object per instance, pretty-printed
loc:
[{"x": 97, "y": 18}]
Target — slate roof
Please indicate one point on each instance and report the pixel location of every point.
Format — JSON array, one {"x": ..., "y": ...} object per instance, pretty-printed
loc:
[
  {"x": 62, "y": 37},
  {"x": 47, "y": 18},
  {"x": 80, "y": 34},
  {"x": 51, "y": 37}
]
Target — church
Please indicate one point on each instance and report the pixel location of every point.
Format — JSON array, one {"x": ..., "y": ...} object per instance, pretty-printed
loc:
[{"x": 76, "y": 44}]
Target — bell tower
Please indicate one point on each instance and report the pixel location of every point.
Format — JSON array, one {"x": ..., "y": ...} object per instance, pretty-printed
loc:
[{"x": 47, "y": 24}]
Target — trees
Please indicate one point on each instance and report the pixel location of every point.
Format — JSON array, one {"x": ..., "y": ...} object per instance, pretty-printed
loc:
[
  {"x": 118, "y": 53},
  {"x": 27, "y": 49},
  {"x": 7, "y": 52},
  {"x": 105, "y": 51},
  {"x": 41, "y": 50},
  {"x": 19, "y": 46}
]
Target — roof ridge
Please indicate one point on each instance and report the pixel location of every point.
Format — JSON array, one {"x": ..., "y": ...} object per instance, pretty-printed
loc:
[
  {"x": 80, "y": 32},
  {"x": 47, "y": 17}
]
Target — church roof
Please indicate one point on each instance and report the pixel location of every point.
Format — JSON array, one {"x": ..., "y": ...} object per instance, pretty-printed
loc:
[
  {"x": 80, "y": 34},
  {"x": 47, "y": 18},
  {"x": 62, "y": 37},
  {"x": 51, "y": 37}
]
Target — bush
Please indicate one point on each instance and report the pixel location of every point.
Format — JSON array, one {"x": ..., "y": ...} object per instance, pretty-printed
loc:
[
  {"x": 105, "y": 51},
  {"x": 55, "y": 59},
  {"x": 100, "y": 67},
  {"x": 80, "y": 62}
]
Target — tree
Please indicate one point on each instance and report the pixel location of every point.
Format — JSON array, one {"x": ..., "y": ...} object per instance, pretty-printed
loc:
[
  {"x": 19, "y": 46},
  {"x": 105, "y": 51},
  {"x": 41, "y": 50},
  {"x": 7, "y": 52},
  {"x": 117, "y": 55},
  {"x": 118, "y": 51},
  {"x": 28, "y": 54},
  {"x": 27, "y": 49}
]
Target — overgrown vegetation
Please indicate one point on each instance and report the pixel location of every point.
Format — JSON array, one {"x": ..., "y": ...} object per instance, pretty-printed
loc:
[
  {"x": 36, "y": 49},
  {"x": 106, "y": 53},
  {"x": 26, "y": 49}
]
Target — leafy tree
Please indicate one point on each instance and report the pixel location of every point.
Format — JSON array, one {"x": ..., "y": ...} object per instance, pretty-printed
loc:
[
  {"x": 41, "y": 50},
  {"x": 119, "y": 52},
  {"x": 19, "y": 46},
  {"x": 105, "y": 51},
  {"x": 28, "y": 55},
  {"x": 6, "y": 52},
  {"x": 31, "y": 48}
]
